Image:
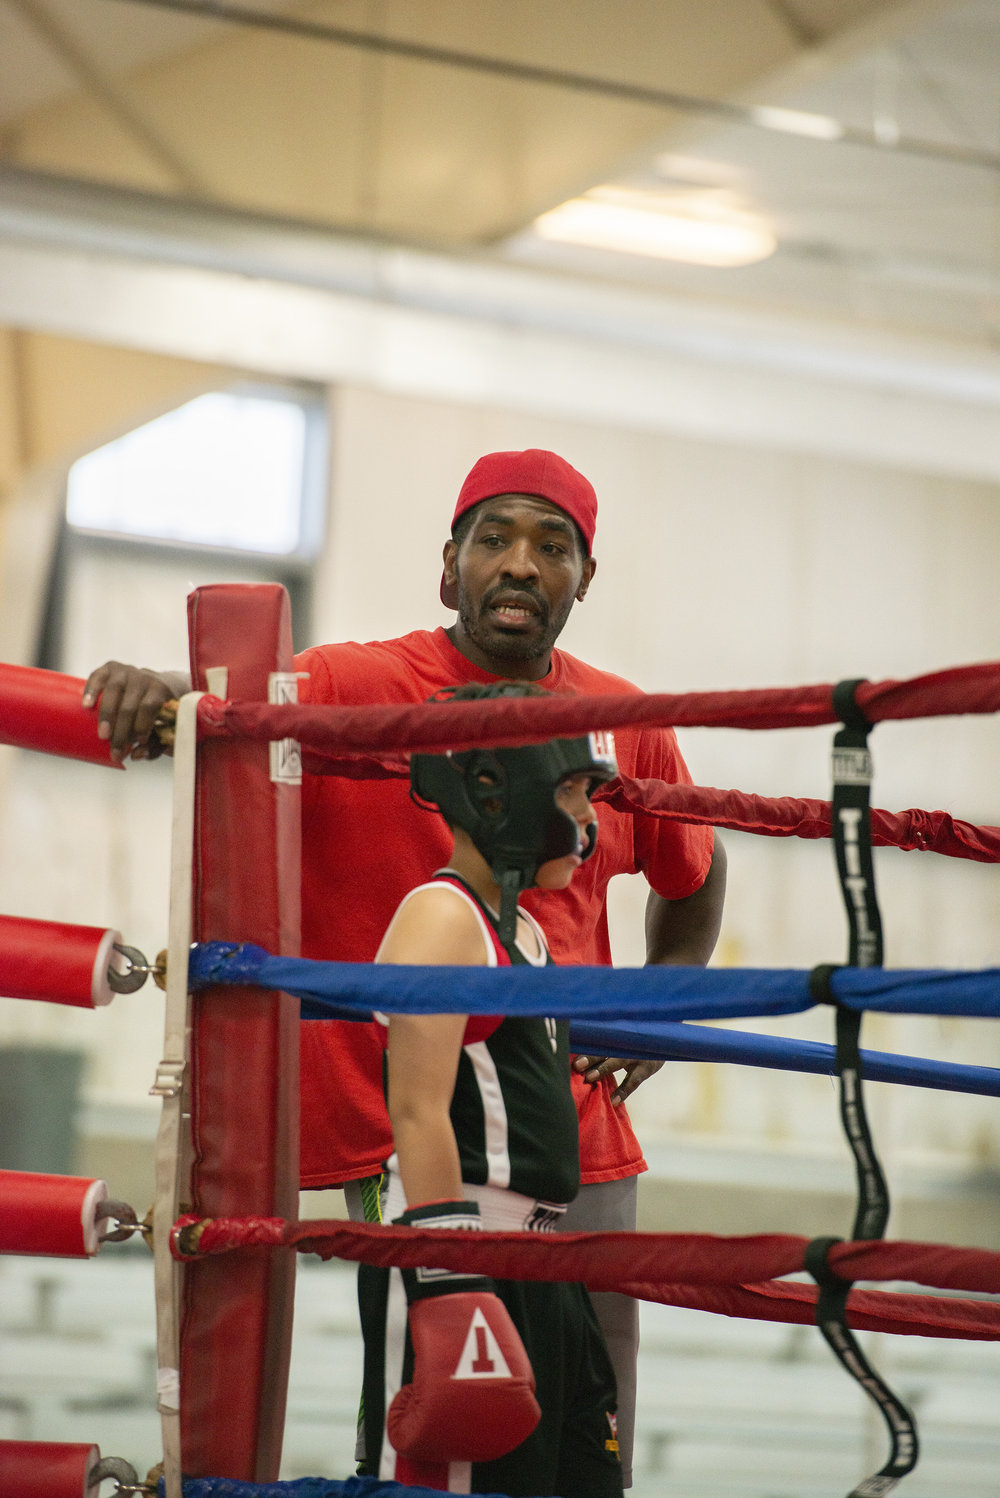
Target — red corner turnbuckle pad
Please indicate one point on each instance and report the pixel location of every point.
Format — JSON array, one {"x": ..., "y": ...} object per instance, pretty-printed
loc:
[{"x": 237, "y": 1310}]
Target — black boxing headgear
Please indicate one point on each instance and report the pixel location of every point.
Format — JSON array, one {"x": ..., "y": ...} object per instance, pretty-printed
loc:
[{"x": 505, "y": 799}]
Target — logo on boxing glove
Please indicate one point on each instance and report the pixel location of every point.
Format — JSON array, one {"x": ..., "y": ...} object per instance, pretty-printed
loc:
[{"x": 481, "y": 1355}]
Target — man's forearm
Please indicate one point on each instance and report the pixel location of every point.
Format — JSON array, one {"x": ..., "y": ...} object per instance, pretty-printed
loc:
[{"x": 685, "y": 931}]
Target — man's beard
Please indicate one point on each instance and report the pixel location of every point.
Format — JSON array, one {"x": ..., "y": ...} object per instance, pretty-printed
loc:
[{"x": 500, "y": 645}]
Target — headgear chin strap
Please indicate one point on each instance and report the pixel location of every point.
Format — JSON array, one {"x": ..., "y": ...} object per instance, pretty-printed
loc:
[{"x": 505, "y": 799}]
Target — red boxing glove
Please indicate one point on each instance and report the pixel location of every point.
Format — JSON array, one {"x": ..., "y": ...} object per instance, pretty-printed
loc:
[{"x": 472, "y": 1398}]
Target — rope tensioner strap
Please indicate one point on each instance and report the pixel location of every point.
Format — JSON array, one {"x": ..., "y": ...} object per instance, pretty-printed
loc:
[
  {"x": 831, "y": 1317},
  {"x": 852, "y": 840},
  {"x": 872, "y": 1212},
  {"x": 851, "y": 827}
]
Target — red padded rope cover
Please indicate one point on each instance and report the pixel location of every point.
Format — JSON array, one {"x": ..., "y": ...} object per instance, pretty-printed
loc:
[
  {"x": 731, "y": 1276},
  {"x": 51, "y": 1215},
  {"x": 608, "y": 1260},
  {"x": 365, "y": 742},
  {"x": 47, "y": 1469},
  {"x": 796, "y": 816},
  {"x": 41, "y": 710},
  {"x": 51, "y": 961},
  {"x": 372, "y": 727},
  {"x": 237, "y": 1314},
  {"x": 743, "y": 811},
  {"x": 870, "y": 1310}
]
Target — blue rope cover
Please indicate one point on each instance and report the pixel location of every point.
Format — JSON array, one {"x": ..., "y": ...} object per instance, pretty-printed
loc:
[
  {"x": 683, "y": 1042},
  {"x": 332, "y": 990},
  {"x": 302, "y": 1487},
  {"x": 354, "y": 989}
]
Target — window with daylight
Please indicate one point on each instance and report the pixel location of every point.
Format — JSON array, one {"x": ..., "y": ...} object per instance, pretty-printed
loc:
[
  {"x": 224, "y": 470},
  {"x": 229, "y": 487}
]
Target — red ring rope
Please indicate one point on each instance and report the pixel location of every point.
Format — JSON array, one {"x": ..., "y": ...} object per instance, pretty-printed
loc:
[
  {"x": 728, "y": 1276},
  {"x": 678, "y": 1258},
  {"x": 391, "y": 727}
]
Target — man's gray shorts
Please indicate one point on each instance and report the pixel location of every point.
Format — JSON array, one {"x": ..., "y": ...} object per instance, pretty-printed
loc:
[{"x": 610, "y": 1206}]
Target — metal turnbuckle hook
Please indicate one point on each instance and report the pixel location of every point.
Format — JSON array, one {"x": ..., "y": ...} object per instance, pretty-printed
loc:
[
  {"x": 122, "y": 1473},
  {"x": 135, "y": 975},
  {"x": 124, "y": 1215}
]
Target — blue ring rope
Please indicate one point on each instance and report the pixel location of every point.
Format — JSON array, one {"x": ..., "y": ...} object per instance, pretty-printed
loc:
[
  {"x": 651, "y": 1002},
  {"x": 303, "y": 1487}
]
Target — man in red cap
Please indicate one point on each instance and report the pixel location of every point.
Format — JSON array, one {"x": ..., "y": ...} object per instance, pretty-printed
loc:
[{"x": 519, "y": 557}]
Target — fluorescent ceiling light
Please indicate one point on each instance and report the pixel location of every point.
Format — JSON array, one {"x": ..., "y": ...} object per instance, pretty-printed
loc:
[
  {"x": 699, "y": 171},
  {"x": 694, "y": 229},
  {"x": 797, "y": 122}
]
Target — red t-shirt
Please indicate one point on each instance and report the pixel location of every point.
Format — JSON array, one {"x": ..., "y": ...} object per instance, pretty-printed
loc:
[{"x": 365, "y": 845}]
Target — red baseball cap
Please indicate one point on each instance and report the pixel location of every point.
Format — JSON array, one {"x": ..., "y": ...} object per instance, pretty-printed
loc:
[{"x": 534, "y": 471}]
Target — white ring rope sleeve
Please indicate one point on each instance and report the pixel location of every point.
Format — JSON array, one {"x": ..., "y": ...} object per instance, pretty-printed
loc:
[{"x": 171, "y": 1085}]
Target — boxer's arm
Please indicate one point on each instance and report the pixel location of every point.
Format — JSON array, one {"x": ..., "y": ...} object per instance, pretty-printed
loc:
[
  {"x": 449, "y": 1411},
  {"x": 130, "y": 700},
  {"x": 422, "y": 1065},
  {"x": 433, "y": 926}
]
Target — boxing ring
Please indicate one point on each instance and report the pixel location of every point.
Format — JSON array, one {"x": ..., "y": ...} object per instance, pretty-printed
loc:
[{"x": 223, "y": 1226}]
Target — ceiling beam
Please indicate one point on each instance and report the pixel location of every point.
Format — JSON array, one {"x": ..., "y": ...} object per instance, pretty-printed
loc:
[
  {"x": 122, "y": 267},
  {"x": 724, "y": 110},
  {"x": 901, "y": 403},
  {"x": 804, "y": 34},
  {"x": 111, "y": 96}
]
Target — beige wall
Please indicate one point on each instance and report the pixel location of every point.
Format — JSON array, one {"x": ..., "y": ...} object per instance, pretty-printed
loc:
[{"x": 12, "y": 435}]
